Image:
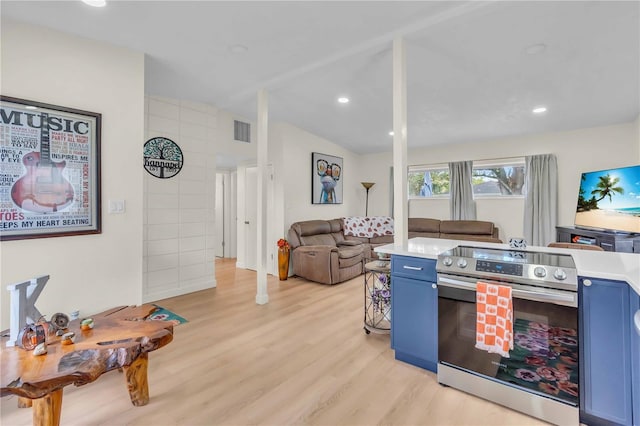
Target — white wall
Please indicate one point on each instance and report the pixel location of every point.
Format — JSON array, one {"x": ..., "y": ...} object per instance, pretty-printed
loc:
[
  {"x": 577, "y": 151},
  {"x": 376, "y": 168},
  {"x": 294, "y": 170},
  {"x": 227, "y": 147},
  {"x": 179, "y": 213},
  {"x": 93, "y": 272}
]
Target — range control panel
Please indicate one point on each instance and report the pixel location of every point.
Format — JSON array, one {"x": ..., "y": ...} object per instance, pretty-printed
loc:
[
  {"x": 499, "y": 267},
  {"x": 524, "y": 267}
]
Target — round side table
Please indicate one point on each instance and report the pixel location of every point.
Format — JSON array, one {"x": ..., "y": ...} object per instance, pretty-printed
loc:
[{"x": 377, "y": 296}]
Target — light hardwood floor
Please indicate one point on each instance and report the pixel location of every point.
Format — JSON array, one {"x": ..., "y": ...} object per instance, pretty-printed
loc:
[{"x": 303, "y": 358}]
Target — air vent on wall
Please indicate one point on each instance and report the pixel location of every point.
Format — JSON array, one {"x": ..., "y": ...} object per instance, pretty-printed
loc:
[{"x": 241, "y": 131}]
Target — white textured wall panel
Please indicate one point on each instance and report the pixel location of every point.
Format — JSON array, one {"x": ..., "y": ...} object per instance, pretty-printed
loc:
[{"x": 178, "y": 209}]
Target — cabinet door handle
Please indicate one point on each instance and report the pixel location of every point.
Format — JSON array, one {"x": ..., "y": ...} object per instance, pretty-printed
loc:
[
  {"x": 434, "y": 286},
  {"x": 587, "y": 283},
  {"x": 412, "y": 268}
]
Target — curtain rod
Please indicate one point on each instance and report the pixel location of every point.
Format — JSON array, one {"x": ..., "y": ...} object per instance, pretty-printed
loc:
[{"x": 478, "y": 159}]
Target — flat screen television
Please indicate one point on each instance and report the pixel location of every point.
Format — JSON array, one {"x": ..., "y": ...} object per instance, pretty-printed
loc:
[{"x": 610, "y": 200}]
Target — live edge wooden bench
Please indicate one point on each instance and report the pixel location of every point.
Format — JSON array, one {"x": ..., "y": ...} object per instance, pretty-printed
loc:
[{"x": 121, "y": 338}]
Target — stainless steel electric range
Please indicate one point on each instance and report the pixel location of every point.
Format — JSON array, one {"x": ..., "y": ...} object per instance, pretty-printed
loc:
[{"x": 540, "y": 376}]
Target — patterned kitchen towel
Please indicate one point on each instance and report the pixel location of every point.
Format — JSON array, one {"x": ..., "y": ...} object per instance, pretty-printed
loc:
[{"x": 494, "y": 318}]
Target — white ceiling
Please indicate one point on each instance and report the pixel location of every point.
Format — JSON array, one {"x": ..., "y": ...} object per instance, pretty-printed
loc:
[{"x": 470, "y": 77}]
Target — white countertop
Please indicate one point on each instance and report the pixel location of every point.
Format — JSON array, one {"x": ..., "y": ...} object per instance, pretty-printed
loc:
[{"x": 589, "y": 263}]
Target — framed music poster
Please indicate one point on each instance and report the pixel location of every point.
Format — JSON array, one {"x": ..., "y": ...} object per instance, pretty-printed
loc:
[{"x": 50, "y": 170}]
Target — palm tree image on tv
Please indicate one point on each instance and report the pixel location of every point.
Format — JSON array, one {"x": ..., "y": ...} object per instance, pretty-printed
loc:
[
  {"x": 610, "y": 200},
  {"x": 606, "y": 187}
]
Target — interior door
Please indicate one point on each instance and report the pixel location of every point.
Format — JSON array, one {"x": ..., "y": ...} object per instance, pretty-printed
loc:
[
  {"x": 251, "y": 218},
  {"x": 220, "y": 215}
]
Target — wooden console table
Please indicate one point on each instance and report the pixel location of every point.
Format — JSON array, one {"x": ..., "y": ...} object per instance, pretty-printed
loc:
[{"x": 121, "y": 338}]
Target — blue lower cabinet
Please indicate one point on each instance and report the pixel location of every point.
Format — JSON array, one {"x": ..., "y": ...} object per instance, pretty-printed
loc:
[
  {"x": 414, "y": 321},
  {"x": 606, "y": 352},
  {"x": 635, "y": 357}
]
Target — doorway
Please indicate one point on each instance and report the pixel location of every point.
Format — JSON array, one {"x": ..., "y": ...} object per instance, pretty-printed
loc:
[
  {"x": 221, "y": 203},
  {"x": 225, "y": 214},
  {"x": 251, "y": 217},
  {"x": 249, "y": 233}
]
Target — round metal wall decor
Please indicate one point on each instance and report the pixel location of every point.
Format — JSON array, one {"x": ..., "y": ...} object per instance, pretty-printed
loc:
[{"x": 162, "y": 157}]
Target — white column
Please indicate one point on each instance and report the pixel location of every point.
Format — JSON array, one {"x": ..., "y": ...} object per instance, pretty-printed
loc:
[
  {"x": 262, "y": 296},
  {"x": 400, "y": 232}
]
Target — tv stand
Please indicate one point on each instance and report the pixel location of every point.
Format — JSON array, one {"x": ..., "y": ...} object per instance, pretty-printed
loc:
[{"x": 609, "y": 241}]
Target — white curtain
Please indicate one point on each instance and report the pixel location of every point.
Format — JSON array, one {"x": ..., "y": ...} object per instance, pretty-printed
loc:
[
  {"x": 541, "y": 200},
  {"x": 462, "y": 205}
]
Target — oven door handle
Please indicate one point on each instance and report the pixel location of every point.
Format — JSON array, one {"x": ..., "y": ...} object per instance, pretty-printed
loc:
[{"x": 551, "y": 296}]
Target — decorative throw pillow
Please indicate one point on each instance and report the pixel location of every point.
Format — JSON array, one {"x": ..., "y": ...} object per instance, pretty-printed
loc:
[{"x": 367, "y": 227}]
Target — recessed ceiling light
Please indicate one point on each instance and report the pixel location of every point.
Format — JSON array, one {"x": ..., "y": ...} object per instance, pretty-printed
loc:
[
  {"x": 95, "y": 3},
  {"x": 238, "y": 49},
  {"x": 30, "y": 107},
  {"x": 391, "y": 133},
  {"x": 539, "y": 110},
  {"x": 343, "y": 100},
  {"x": 535, "y": 49}
]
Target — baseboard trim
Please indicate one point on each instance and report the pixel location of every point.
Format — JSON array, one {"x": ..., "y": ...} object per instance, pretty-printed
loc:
[{"x": 178, "y": 291}]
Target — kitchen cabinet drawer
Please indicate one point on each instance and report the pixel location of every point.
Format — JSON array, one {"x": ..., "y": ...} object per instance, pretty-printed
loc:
[{"x": 416, "y": 268}]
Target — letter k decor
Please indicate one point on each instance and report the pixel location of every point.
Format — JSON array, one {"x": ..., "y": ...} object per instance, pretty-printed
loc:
[{"x": 23, "y": 305}]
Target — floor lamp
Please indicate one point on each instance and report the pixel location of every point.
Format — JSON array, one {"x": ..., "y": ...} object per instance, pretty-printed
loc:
[{"x": 367, "y": 186}]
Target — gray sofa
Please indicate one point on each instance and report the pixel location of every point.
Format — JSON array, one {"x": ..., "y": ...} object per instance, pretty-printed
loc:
[{"x": 321, "y": 252}]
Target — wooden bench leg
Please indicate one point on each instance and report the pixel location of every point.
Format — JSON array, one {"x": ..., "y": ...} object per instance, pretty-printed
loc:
[
  {"x": 24, "y": 402},
  {"x": 46, "y": 410},
  {"x": 136, "y": 376}
]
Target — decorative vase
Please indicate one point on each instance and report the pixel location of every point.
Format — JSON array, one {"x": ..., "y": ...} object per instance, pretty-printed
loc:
[{"x": 283, "y": 263}]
